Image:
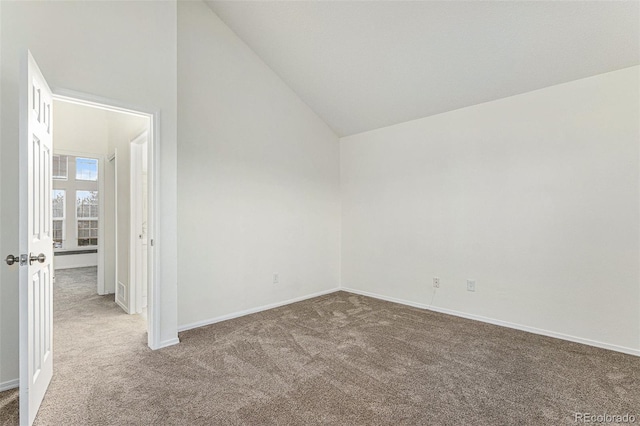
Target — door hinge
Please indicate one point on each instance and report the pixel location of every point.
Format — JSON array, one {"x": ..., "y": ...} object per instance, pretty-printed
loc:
[{"x": 151, "y": 242}]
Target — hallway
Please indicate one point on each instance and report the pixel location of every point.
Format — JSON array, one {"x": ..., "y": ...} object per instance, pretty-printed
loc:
[{"x": 92, "y": 338}]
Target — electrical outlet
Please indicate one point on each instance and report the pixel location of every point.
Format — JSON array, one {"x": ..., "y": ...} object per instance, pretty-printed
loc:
[
  {"x": 276, "y": 279},
  {"x": 471, "y": 285},
  {"x": 436, "y": 282}
]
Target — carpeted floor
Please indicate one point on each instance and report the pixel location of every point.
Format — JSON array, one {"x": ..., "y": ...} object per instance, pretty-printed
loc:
[{"x": 338, "y": 359}]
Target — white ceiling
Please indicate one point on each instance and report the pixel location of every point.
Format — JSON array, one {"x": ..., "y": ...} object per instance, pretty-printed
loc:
[{"x": 363, "y": 65}]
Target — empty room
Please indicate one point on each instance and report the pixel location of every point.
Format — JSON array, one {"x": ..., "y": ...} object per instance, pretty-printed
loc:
[{"x": 345, "y": 212}]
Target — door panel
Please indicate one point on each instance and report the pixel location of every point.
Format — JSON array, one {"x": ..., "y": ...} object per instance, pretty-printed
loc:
[{"x": 36, "y": 278}]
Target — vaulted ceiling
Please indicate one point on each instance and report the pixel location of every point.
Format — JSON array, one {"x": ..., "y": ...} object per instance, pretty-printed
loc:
[{"x": 363, "y": 65}]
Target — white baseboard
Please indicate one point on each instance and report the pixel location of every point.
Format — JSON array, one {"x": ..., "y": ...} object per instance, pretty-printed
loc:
[
  {"x": 11, "y": 384},
  {"x": 72, "y": 266},
  {"x": 122, "y": 305},
  {"x": 501, "y": 323},
  {"x": 167, "y": 343},
  {"x": 253, "y": 310}
]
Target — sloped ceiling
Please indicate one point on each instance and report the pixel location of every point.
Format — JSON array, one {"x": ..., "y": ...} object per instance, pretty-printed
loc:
[{"x": 363, "y": 65}]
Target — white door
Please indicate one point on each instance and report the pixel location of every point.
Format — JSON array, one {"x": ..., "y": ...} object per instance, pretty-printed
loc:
[
  {"x": 139, "y": 223},
  {"x": 36, "y": 283}
]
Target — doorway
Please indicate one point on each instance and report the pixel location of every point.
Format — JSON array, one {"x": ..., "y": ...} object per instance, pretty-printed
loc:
[
  {"x": 78, "y": 200},
  {"x": 88, "y": 131}
]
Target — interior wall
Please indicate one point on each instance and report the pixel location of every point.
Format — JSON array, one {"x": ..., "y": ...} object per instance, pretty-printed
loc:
[
  {"x": 80, "y": 128},
  {"x": 535, "y": 196},
  {"x": 126, "y": 51},
  {"x": 122, "y": 129},
  {"x": 258, "y": 179},
  {"x": 76, "y": 261}
]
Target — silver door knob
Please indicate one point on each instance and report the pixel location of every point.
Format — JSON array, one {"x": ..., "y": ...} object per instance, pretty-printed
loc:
[
  {"x": 39, "y": 258},
  {"x": 11, "y": 259}
]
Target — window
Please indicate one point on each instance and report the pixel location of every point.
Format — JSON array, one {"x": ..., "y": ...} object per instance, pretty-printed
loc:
[
  {"x": 86, "y": 169},
  {"x": 60, "y": 167},
  {"x": 58, "y": 197},
  {"x": 87, "y": 216},
  {"x": 75, "y": 206}
]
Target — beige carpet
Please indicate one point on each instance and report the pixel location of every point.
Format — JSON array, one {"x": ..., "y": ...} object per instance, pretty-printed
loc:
[{"x": 339, "y": 359}]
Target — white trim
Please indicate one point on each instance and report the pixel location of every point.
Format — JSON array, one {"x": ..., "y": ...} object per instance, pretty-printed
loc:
[
  {"x": 135, "y": 207},
  {"x": 8, "y": 385},
  {"x": 254, "y": 310},
  {"x": 501, "y": 323},
  {"x": 114, "y": 158},
  {"x": 86, "y": 99},
  {"x": 154, "y": 308},
  {"x": 122, "y": 305},
  {"x": 141, "y": 138},
  {"x": 66, "y": 167},
  {"x": 121, "y": 297},
  {"x": 167, "y": 343},
  {"x": 132, "y": 299},
  {"x": 63, "y": 219},
  {"x": 154, "y": 277}
]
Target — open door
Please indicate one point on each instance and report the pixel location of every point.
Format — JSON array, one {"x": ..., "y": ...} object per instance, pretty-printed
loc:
[
  {"x": 138, "y": 264},
  {"x": 36, "y": 244}
]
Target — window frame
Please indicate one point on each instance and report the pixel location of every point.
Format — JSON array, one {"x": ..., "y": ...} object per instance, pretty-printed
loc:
[
  {"x": 66, "y": 157},
  {"x": 87, "y": 219},
  {"x": 62, "y": 219},
  {"x": 71, "y": 185},
  {"x": 76, "y": 158}
]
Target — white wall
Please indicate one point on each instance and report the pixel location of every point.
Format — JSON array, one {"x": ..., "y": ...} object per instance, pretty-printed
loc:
[
  {"x": 535, "y": 196},
  {"x": 118, "y": 50},
  {"x": 76, "y": 261},
  {"x": 80, "y": 128},
  {"x": 258, "y": 177}
]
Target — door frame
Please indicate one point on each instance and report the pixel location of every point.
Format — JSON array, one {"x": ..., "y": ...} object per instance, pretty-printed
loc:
[{"x": 154, "y": 338}]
